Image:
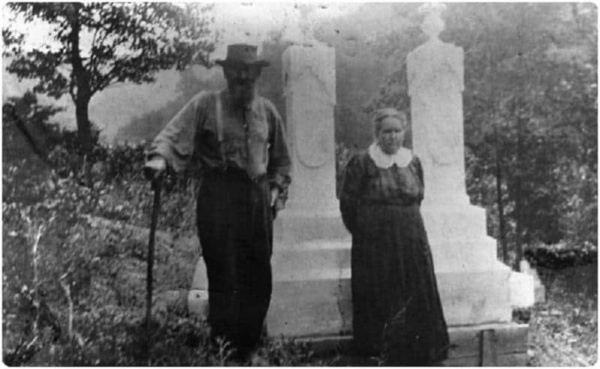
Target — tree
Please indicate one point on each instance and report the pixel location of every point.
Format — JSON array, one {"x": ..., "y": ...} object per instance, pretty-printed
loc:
[{"x": 128, "y": 42}]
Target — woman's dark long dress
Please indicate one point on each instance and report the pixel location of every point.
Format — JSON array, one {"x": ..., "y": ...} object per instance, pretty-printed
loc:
[{"x": 396, "y": 305}]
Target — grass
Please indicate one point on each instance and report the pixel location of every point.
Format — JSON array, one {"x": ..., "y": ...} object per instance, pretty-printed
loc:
[{"x": 564, "y": 329}]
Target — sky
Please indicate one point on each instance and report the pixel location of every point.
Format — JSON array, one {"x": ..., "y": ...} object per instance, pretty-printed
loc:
[
  {"x": 235, "y": 21},
  {"x": 251, "y": 22}
]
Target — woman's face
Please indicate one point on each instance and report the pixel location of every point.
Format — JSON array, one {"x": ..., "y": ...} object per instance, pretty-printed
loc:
[{"x": 391, "y": 135}]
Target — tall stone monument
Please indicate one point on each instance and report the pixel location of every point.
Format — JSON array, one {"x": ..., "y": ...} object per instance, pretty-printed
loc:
[
  {"x": 311, "y": 259},
  {"x": 474, "y": 285}
]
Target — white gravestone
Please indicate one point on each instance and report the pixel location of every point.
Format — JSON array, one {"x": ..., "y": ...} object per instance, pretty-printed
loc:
[
  {"x": 474, "y": 286},
  {"x": 311, "y": 247},
  {"x": 309, "y": 85}
]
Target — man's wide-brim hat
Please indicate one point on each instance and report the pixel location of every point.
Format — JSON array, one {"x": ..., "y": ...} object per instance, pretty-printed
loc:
[{"x": 241, "y": 55}]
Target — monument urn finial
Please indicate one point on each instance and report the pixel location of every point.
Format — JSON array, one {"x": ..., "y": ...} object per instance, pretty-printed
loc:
[
  {"x": 306, "y": 24},
  {"x": 433, "y": 24}
]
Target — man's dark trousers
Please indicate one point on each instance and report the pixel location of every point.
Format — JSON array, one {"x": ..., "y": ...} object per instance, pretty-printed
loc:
[{"x": 235, "y": 226}]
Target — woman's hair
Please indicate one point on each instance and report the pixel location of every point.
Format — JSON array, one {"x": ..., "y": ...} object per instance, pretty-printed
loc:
[{"x": 381, "y": 114}]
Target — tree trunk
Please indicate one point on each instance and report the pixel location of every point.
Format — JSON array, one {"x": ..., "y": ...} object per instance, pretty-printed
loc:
[
  {"x": 518, "y": 113},
  {"x": 518, "y": 194},
  {"x": 80, "y": 79},
  {"x": 84, "y": 136},
  {"x": 84, "y": 129},
  {"x": 501, "y": 218},
  {"x": 518, "y": 230},
  {"x": 81, "y": 94},
  {"x": 498, "y": 147}
]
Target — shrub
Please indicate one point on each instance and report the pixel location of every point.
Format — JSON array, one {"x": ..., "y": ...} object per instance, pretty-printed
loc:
[{"x": 560, "y": 256}]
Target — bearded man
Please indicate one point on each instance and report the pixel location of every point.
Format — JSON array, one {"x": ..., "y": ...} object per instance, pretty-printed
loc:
[{"x": 238, "y": 138}]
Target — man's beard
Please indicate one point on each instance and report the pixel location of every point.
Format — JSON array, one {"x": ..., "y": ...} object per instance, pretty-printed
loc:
[{"x": 242, "y": 93}]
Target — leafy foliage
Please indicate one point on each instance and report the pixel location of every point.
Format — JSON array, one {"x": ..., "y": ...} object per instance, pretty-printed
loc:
[
  {"x": 129, "y": 42},
  {"x": 561, "y": 256}
]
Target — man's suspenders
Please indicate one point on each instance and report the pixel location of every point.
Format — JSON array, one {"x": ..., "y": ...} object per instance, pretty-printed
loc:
[{"x": 219, "y": 121}]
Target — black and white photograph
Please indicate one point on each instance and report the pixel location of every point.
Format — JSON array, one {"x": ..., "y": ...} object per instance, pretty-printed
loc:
[{"x": 289, "y": 184}]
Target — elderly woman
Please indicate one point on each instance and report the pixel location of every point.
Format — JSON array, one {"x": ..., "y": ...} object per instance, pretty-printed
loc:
[{"x": 396, "y": 305}]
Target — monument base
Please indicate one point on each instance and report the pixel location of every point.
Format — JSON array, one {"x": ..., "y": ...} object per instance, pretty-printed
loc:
[
  {"x": 475, "y": 297},
  {"x": 312, "y": 291},
  {"x": 311, "y": 277},
  {"x": 293, "y": 227},
  {"x": 318, "y": 302}
]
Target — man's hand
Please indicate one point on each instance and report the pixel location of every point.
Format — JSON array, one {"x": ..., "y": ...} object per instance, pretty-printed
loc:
[
  {"x": 154, "y": 168},
  {"x": 274, "y": 195}
]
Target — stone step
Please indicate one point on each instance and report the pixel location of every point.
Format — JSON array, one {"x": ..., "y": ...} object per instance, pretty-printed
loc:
[
  {"x": 325, "y": 306},
  {"x": 456, "y": 223},
  {"x": 458, "y": 255},
  {"x": 521, "y": 286},
  {"x": 467, "y": 298},
  {"x": 310, "y": 308},
  {"x": 291, "y": 228},
  {"x": 314, "y": 256},
  {"x": 312, "y": 260},
  {"x": 476, "y": 297}
]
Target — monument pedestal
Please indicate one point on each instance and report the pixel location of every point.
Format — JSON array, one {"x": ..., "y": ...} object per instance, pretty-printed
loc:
[
  {"x": 473, "y": 284},
  {"x": 311, "y": 277}
]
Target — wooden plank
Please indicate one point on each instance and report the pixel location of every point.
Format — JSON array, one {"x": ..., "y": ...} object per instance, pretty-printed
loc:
[
  {"x": 509, "y": 338},
  {"x": 514, "y": 359},
  {"x": 326, "y": 345}
]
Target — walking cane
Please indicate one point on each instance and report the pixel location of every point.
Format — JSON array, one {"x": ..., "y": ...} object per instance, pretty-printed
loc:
[{"x": 156, "y": 186}]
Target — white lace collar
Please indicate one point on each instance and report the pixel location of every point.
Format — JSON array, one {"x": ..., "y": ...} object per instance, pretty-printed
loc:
[{"x": 401, "y": 158}]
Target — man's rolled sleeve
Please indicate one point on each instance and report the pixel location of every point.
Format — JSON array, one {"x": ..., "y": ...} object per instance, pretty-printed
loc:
[
  {"x": 278, "y": 169},
  {"x": 176, "y": 141}
]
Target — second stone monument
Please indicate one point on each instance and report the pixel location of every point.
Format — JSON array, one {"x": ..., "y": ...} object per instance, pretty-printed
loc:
[{"x": 474, "y": 285}]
